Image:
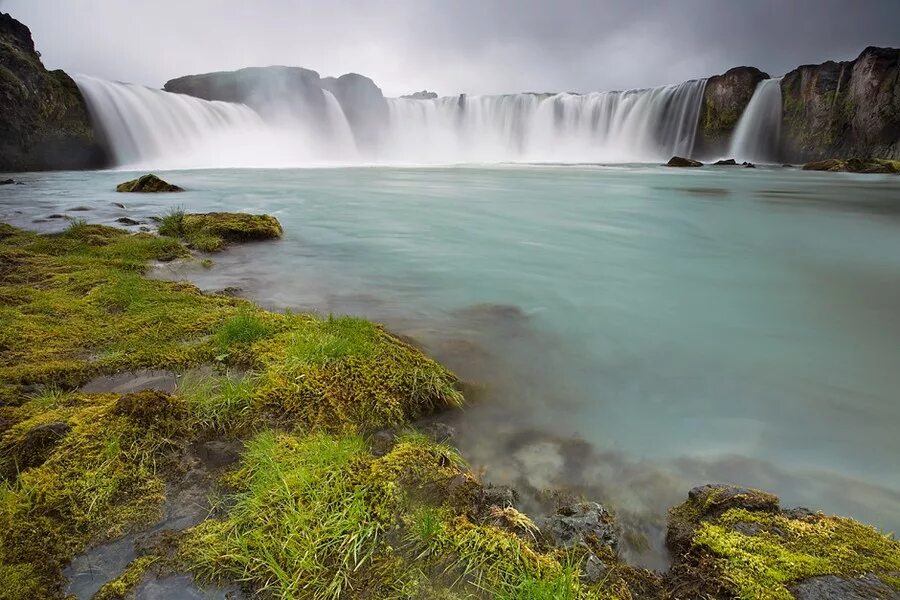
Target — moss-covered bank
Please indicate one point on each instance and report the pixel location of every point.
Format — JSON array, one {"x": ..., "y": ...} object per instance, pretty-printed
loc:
[{"x": 334, "y": 495}]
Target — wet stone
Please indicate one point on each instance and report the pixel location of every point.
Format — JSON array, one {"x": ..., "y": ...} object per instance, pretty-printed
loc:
[
  {"x": 829, "y": 587},
  {"x": 580, "y": 523},
  {"x": 136, "y": 381}
]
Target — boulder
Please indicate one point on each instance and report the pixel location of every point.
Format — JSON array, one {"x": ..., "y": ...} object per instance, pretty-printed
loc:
[
  {"x": 7, "y": 181},
  {"x": 44, "y": 120},
  {"x": 127, "y": 221},
  {"x": 729, "y": 162},
  {"x": 679, "y": 161},
  {"x": 580, "y": 523},
  {"x": 149, "y": 183}
]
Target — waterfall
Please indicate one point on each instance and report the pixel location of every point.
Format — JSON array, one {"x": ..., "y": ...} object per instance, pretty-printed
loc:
[
  {"x": 153, "y": 128},
  {"x": 758, "y": 132},
  {"x": 635, "y": 125},
  {"x": 148, "y": 128}
]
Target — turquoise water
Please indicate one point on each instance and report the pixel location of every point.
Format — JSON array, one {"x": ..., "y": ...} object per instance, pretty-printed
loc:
[{"x": 626, "y": 331}]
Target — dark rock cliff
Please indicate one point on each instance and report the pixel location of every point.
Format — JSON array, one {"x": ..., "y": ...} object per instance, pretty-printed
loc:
[
  {"x": 724, "y": 99},
  {"x": 44, "y": 122},
  {"x": 363, "y": 104},
  {"x": 843, "y": 109}
]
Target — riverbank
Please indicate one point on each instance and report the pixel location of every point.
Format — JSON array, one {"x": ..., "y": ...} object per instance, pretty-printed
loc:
[{"x": 302, "y": 426}]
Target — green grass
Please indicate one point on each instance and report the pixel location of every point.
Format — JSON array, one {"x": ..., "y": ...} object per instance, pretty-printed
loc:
[
  {"x": 172, "y": 223},
  {"x": 219, "y": 403},
  {"x": 299, "y": 526},
  {"x": 243, "y": 328}
]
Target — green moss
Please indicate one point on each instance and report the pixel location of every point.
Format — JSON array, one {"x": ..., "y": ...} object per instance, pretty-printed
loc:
[
  {"x": 211, "y": 232},
  {"x": 118, "y": 588},
  {"x": 76, "y": 305},
  {"x": 98, "y": 481},
  {"x": 786, "y": 550}
]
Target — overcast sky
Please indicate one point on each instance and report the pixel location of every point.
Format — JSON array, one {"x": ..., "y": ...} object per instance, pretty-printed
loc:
[{"x": 452, "y": 46}]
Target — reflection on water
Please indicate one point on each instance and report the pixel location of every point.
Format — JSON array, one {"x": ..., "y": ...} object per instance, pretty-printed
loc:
[{"x": 624, "y": 331}]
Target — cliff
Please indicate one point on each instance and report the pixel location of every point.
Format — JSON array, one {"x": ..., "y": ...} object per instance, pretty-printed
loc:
[
  {"x": 724, "y": 99},
  {"x": 278, "y": 90},
  {"x": 44, "y": 122},
  {"x": 843, "y": 109}
]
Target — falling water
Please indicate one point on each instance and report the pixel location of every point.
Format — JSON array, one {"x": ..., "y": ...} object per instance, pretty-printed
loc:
[
  {"x": 758, "y": 131},
  {"x": 636, "y": 125},
  {"x": 145, "y": 127},
  {"x": 150, "y": 127}
]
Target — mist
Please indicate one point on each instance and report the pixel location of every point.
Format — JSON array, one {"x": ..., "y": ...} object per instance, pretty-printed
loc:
[{"x": 479, "y": 47}]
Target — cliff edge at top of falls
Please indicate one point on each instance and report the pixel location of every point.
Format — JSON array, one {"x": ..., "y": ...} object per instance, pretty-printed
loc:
[
  {"x": 44, "y": 122},
  {"x": 724, "y": 100},
  {"x": 280, "y": 89},
  {"x": 843, "y": 109}
]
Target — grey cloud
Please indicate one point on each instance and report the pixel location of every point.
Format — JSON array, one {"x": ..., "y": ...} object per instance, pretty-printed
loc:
[{"x": 476, "y": 46}]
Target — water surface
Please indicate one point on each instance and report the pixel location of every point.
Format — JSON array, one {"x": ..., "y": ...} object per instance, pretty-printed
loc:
[{"x": 627, "y": 331}]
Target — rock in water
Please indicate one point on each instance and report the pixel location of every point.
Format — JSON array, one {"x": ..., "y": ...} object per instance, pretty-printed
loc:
[
  {"x": 854, "y": 165},
  {"x": 679, "y": 161},
  {"x": 580, "y": 522},
  {"x": 147, "y": 183},
  {"x": 726, "y": 163}
]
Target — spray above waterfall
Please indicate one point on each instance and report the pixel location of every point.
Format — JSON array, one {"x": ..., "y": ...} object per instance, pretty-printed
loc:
[{"x": 149, "y": 127}]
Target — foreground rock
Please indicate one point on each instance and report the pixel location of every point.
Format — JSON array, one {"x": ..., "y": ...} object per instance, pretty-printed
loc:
[
  {"x": 730, "y": 542},
  {"x": 44, "y": 122},
  {"x": 679, "y": 161},
  {"x": 854, "y": 165},
  {"x": 210, "y": 232},
  {"x": 149, "y": 183}
]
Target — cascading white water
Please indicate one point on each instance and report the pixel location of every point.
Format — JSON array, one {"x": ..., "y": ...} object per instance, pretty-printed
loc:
[
  {"x": 636, "y": 125},
  {"x": 145, "y": 127},
  {"x": 153, "y": 128},
  {"x": 758, "y": 131}
]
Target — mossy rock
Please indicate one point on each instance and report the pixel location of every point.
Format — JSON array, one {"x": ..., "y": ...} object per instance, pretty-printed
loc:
[
  {"x": 855, "y": 165},
  {"x": 211, "y": 232},
  {"x": 148, "y": 184},
  {"x": 736, "y": 542}
]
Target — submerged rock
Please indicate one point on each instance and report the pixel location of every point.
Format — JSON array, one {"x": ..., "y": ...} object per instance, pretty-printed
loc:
[
  {"x": 148, "y": 183},
  {"x": 680, "y": 161},
  {"x": 748, "y": 165},
  {"x": 854, "y": 165},
  {"x": 127, "y": 221},
  {"x": 580, "y": 523},
  {"x": 7, "y": 181}
]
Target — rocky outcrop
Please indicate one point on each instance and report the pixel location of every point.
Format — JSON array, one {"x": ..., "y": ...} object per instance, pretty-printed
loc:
[
  {"x": 724, "y": 100},
  {"x": 423, "y": 95},
  {"x": 843, "y": 109},
  {"x": 277, "y": 91},
  {"x": 855, "y": 165},
  {"x": 44, "y": 122},
  {"x": 363, "y": 105},
  {"x": 734, "y": 542}
]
